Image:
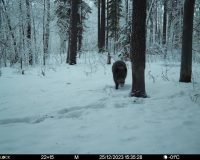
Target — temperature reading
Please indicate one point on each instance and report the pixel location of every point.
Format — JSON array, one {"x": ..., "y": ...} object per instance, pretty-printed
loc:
[
  {"x": 165, "y": 157},
  {"x": 174, "y": 157}
]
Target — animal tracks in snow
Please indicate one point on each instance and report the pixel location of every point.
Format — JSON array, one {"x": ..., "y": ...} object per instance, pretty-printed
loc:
[
  {"x": 71, "y": 112},
  {"x": 31, "y": 120},
  {"x": 76, "y": 111}
]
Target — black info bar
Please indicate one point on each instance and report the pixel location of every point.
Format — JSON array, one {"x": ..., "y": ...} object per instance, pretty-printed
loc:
[{"x": 99, "y": 156}]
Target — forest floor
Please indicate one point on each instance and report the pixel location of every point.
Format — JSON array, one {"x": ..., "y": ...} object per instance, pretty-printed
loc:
[{"x": 76, "y": 109}]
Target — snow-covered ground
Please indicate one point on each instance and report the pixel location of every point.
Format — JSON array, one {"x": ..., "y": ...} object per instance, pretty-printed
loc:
[{"x": 76, "y": 109}]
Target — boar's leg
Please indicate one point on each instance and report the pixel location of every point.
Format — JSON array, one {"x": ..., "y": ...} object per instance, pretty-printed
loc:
[{"x": 116, "y": 85}]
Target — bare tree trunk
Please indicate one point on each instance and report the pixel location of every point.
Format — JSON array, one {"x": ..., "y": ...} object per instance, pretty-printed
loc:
[
  {"x": 150, "y": 10},
  {"x": 103, "y": 26},
  {"x": 138, "y": 48},
  {"x": 156, "y": 22},
  {"x": 164, "y": 23},
  {"x": 186, "y": 59},
  {"x": 127, "y": 10},
  {"x": 107, "y": 38},
  {"x": 99, "y": 24},
  {"x": 73, "y": 32},
  {"x": 44, "y": 36},
  {"x": 21, "y": 35},
  {"x": 69, "y": 37},
  {"x": 2, "y": 45},
  {"x": 35, "y": 43},
  {"x": 48, "y": 26},
  {"x": 68, "y": 49},
  {"x": 46, "y": 30},
  {"x": 80, "y": 29},
  {"x": 28, "y": 32}
]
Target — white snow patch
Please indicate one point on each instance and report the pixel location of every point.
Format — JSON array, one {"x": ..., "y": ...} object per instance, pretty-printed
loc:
[{"x": 76, "y": 109}]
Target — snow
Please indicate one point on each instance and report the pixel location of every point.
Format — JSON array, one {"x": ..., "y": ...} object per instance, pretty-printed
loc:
[{"x": 76, "y": 109}]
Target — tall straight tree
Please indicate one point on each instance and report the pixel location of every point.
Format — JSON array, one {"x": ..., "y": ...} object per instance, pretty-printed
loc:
[
  {"x": 46, "y": 30},
  {"x": 138, "y": 48},
  {"x": 73, "y": 32},
  {"x": 28, "y": 31},
  {"x": 21, "y": 39},
  {"x": 107, "y": 22},
  {"x": 114, "y": 13},
  {"x": 186, "y": 58},
  {"x": 164, "y": 22},
  {"x": 127, "y": 10},
  {"x": 101, "y": 25},
  {"x": 80, "y": 26},
  {"x": 84, "y": 11}
]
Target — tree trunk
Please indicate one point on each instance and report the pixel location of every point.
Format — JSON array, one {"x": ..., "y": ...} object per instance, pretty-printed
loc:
[
  {"x": 103, "y": 25},
  {"x": 164, "y": 23},
  {"x": 48, "y": 26},
  {"x": 35, "y": 43},
  {"x": 127, "y": 10},
  {"x": 156, "y": 22},
  {"x": 68, "y": 49},
  {"x": 44, "y": 34},
  {"x": 2, "y": 52},
  {"x": 46, "y": 30},
  {"x": 80, "y": 29},
  {"x": 138, "y": 48},
  {"x": 28, "y": 31},
  {"x": 69, "y": 36},
  {"x": 99, "y": 24},
  {"x": 107, "y": 36},
  {"x": 186, "y": 59},
  {"x": 73, "y": 32},
  {"x": 21, "y": 46}
]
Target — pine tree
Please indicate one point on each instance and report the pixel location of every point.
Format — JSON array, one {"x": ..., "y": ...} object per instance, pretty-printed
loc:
[
  {"x": 63, "y": 9},
  {"x": 46, "y": 29},
  {"x": 138, "y": 46},
  {"x": 84, "y": 11},
  {"x": 101, "y": 4},
  {"x": 99, "y": 23},
  {"x": 186, "y": 59},
  {"x": 125, "y": 33},
  {"x": 164, "y": 23},
  {"x": 102, "y": 26},
  {"x": 63, "y": 12},
  {"x": 73, "y": 32},
  {"x": 114, "y": 10},
  {"x": 29, "y": 31}
]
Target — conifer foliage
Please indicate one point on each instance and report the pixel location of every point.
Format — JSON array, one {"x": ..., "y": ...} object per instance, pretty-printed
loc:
[{"x": 114, "y": 13}]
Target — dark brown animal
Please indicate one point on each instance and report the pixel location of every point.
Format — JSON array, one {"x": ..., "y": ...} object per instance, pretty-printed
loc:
[{"x": 119, "y": 71}]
